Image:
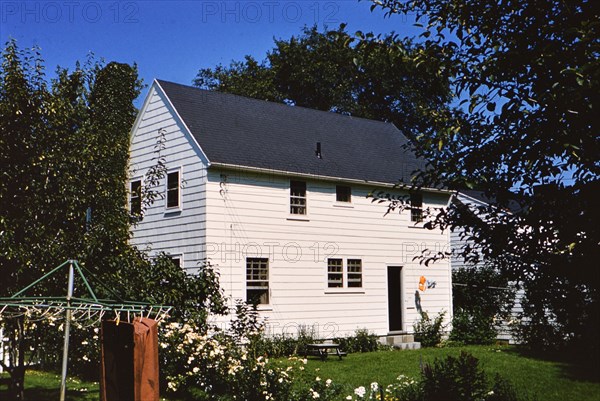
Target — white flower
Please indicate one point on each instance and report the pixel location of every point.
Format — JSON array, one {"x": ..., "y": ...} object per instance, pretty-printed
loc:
[
  {"x": 361, "y": 391},
  {"x": 315, "y": 395},
  {"x": 318, "y": 379},
  {"x": 328, "y": 383},
  {"x": 349, "y": 397},
  {"x": 196, "y": 369},
  {"x": 374, "y": 386}
]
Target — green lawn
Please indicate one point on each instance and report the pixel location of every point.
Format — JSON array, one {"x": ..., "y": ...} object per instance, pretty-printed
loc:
[
  {"x": 546, "y": 380},
  {"x": 44, "y": 386}
]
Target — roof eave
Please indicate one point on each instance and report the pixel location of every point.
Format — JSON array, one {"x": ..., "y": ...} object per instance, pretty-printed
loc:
[{"x": 320, "y": 177}]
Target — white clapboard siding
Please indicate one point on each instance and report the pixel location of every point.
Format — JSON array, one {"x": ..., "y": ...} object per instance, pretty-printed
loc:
[
  {"x": 180, "y": 233},
  {"x": 248, "y": 216}
]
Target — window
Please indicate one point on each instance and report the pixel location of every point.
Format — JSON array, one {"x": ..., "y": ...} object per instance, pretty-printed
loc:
[
  {"x": 354, "y": 273},
  {"x": 173, "y": 185},
  {"x": 416, "y": 207},
  {"x": 177, "y": 260},
  {"x": 135, "y": 197},
  {"x": 343, "y": 193},
  {"x": 297, "y": 197},
  {"x": 335, "y": 273},
  {"x": 257, "y": 280}
]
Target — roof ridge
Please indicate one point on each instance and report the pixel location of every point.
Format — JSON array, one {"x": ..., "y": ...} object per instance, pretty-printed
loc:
[{"x": 301, "y": 108}]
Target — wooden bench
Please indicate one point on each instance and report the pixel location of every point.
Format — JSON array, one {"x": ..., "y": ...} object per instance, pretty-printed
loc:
[{"x": 322, "y": 350}]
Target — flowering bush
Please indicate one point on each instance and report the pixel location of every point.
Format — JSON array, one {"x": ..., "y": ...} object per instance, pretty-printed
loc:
[{"x": 217, "y": 366}]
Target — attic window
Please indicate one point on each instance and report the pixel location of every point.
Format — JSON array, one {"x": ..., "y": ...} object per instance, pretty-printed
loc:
[
  {"x": 135, "y": 197},
  {"x": 297, "y": 197},
  {"x": 343, "y": 193},
  {"x": 173, "y": 193},
  {"x": 416, "y": 207}
]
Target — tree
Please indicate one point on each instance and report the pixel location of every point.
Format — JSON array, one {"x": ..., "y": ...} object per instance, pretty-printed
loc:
[
  {"x": 364, "y": 75},
  {"x": 528, "y": 76},
  {"x": 64, "y": 151}
]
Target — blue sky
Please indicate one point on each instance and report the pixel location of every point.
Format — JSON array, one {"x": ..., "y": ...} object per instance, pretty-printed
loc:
[{"x": 171, "y": 40}]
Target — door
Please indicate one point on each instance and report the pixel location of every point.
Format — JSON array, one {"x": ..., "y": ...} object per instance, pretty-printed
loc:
[{"x": 395, "y": 297}]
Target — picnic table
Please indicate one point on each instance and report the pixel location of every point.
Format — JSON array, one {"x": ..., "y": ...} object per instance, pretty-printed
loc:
[{"x": 322, "y": 350}]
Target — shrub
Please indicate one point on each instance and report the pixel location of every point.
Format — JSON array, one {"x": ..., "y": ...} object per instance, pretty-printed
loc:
[
  {"x": 477, "y": 306},
  {"x": 361, "y": 341},
  {"x": 429, "y": 331},
  {"x": 458, "y": 379},
  {"x": 472, "y": 327}
]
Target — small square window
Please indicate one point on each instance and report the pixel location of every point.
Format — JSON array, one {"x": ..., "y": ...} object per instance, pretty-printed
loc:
[
  {"x": 297, "y": 197},
  {"x": 416, "y": 207},
  {"x": 173, "y": 186},
  {"x": 343, "y": 193},
  {"x": 177, "y": 261},
  {"x": 135, "y": 197},
  {"x": 335, "y": 273}
]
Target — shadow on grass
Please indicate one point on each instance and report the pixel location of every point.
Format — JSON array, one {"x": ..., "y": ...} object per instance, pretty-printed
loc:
[
  {"x": 575, "y": 366},
  {"x": 45, "y": 394}
]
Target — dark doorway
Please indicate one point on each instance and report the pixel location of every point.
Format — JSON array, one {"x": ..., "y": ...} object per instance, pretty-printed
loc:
[{"x": 395, "y": 297}]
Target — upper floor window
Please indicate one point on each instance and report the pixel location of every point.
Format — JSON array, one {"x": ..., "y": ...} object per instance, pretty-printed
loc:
[
  {"x": 416, "y": 207},
  {"x": 297, "y": 197},
  {"x": 135, "y": 197},
  {"x": 257, "y": 280},
  {"x": 173, "y": 189},
  {"x": 343, "y": 193}
]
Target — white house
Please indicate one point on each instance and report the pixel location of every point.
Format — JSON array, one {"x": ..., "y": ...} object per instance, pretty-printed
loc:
[{"x": 275, "y": 196}]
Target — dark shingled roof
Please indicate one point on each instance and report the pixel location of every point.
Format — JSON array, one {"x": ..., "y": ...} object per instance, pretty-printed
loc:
[{"x": 240, "y": 131}]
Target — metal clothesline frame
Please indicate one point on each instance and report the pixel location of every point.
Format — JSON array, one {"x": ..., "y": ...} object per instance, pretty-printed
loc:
[{"x": 18, "y": 305}]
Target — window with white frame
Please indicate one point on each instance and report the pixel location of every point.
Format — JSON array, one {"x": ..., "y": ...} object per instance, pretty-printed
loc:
[
  {"x": 177, "y": 260},
  {"x": 335, "y": 273},
  {"x": 352, "y": 271},
  {"x": 297, "y": 197},
  {"x": 173, "y": 194},
  {"x": 135, "y": 197},
  {"x": 416, "y": 207},
  {"x": 257, "y": 281}
]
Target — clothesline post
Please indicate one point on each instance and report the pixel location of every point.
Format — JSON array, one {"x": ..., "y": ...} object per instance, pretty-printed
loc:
[{"x": 63, "y": 379}]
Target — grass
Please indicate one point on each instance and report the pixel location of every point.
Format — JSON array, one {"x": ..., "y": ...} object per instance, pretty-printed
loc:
[
  {"x": 43, "y": 386},
  {"x": 546, "y": 380}
]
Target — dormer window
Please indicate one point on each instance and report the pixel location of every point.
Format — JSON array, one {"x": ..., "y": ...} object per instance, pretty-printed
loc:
[{"x": 297, "y": 197}]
